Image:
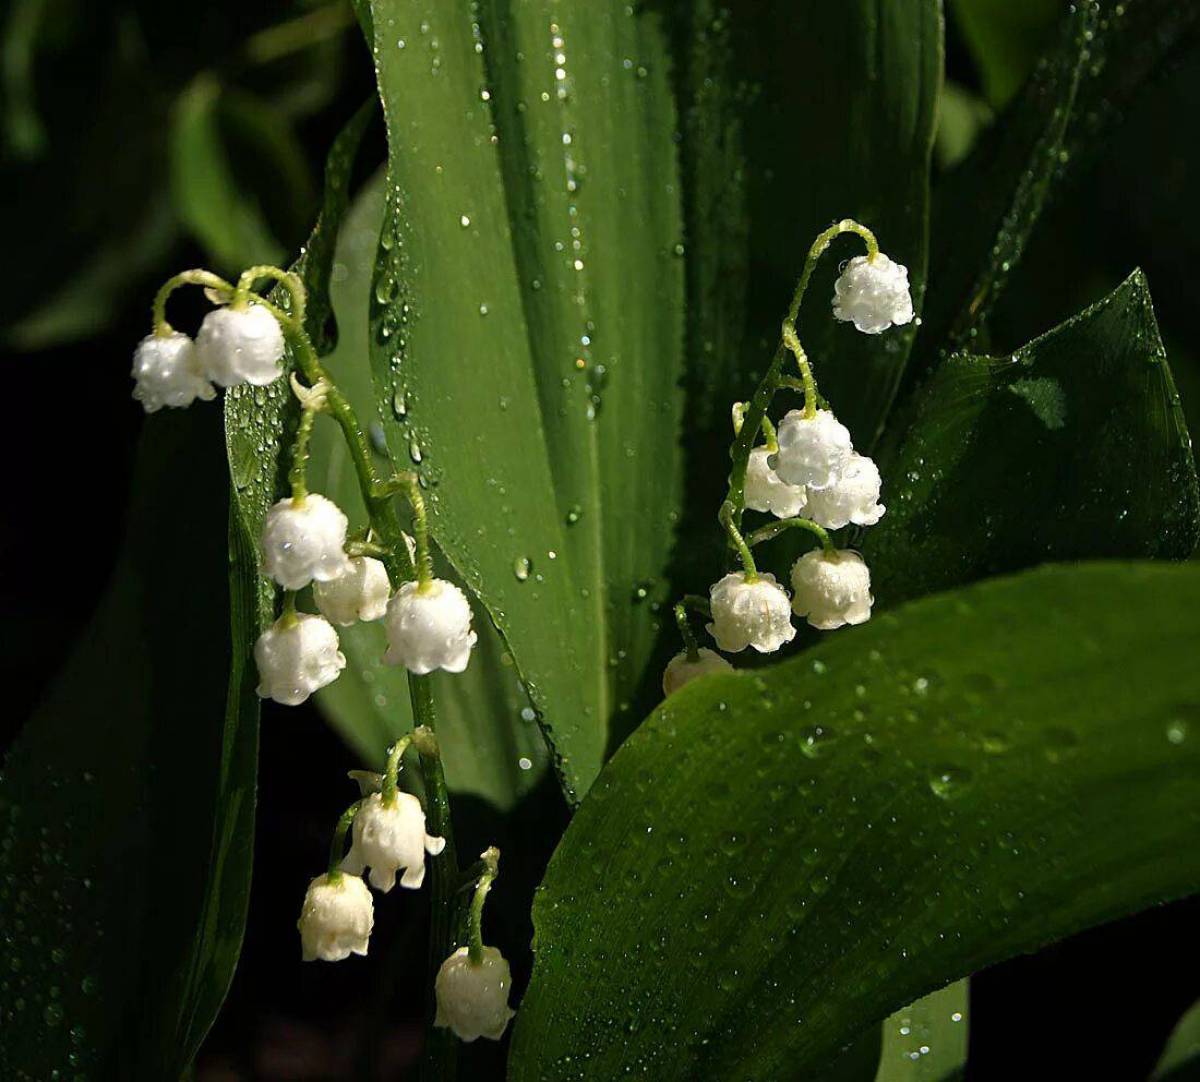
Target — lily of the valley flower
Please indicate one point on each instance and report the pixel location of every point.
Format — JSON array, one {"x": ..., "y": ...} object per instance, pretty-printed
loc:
[
  {"x": 167, "y": 372},
  {"x": 429, "y": 628},
  {"x": 750, "y": 613},
  {"x": 390, "y": 838},
  {"x": 852, "y": 498},
  {"x": 240, "y": 345},
  {"x": 812, "y": 450},
  {"x": 766, "y": 492},
  {"x": 295, "y": 656},
  {"x": 680, "y": 670},
  {"x": 360, "y": 593},
  {"x": 873, "y": 294},
  {"x": 302, "y": 540},
  {"x": 472, "y": 997},
  {"x": 832, "y": 588},
  {"x": 336, "y": 918}
]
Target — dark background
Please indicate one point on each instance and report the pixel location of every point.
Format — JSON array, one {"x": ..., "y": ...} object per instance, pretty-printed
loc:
[{"x": 86, "y": 162}]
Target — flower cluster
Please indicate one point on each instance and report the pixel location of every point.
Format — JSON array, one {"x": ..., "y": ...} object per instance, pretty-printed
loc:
[{"x": 806, "y": 474}]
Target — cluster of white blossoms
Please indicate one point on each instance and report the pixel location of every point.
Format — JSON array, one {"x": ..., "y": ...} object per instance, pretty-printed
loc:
[
  {"x": 807, "y": 474},
  {"x": 239, "y": 343}
]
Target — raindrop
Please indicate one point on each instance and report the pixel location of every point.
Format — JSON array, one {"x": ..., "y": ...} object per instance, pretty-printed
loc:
[
  {"x": 521, "y": 568},
  {"x": 949, "y": 782}
]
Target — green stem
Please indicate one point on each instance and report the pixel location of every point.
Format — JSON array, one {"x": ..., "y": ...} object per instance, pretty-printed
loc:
[
  {"x": 491, "y": 861},
  {"x": 726, "y": 517},
  {"x": 158, "y": 311},
  {"x": 391, "y": 774},
  {"x": 337, "y": 847},
  {"x": 697, "y": 604},
  {"x": 685, "y": 632},
  {"x": 769, "y": 435},
  {"x": 774, "y": 529},
  {"x": 298, "y": 473},
  {"x": 290, "y": 281},
  {"x": 288, "y": 617}
]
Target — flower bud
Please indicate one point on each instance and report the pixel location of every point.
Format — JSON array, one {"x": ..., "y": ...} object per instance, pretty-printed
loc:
[
  {"x": 812, "y": 450},
  {"x": 303, "y": 540},
  {"x": 680, "y": 671},
  {"x": 295, "y": 656},
  {"x": 240, "y": 345},
  {"x": 429, "y": 629},
  {"x": 360, "y": 593},
  {"x": 167, "y": 373},
  {"x": 472, "y": 999},
  {"x": 750, "y": 613},
  {"x": 336, "y": 918},
  {"x": 853, "y": 497},
  {"x": 832, "y": 589},
  {"x": 390, "y": 838},
  {"x": 766, "y": 492},
  {"x": 873, "y": 294}
]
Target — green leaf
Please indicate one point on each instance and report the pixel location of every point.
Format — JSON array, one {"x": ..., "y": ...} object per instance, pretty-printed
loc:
[
  {"x": 795, "y": 116},
  {"x": 1074, "y": 446},
  {"x": 777, "y": 858},
  {"x": 490, "y": 747},
  {"x": 527, "y": 337},
  {"x": 927, "y": 1042},
  {"x": 1180, "y": 1060},
  {"x": 1005, "y": 39},
  {"x": 127, "y": 803},
  {"x": 985, "y": 211}
]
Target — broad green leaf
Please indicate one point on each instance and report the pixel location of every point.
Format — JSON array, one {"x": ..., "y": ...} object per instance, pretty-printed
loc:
[
  {"x": 775, "y": 859},
  {"x": 218, "y": 211},
  {"x": 127, "y": 801},
  {"x": 927, "y": 1042},
  {"x": 527, "y": 336},
  {"x": 795, "y": 116},
  {"x": 985, "y": 211},
  {"x": 1180, "y": 1060},
  {"x": 490, "y": 742},
  {"x": 1074, "y": 446},
  {"x": 1005, "y": 40}
]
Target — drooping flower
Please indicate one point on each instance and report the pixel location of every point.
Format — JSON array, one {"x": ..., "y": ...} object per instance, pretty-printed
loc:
[
  {"x": 359, "y": 593},
  {"x": 167, "y": 372},
  {"x": 391, "y": 838},
  {"x": 754, "y": 613},
  {"x": 832, "y": 588},
  {"x": 429, "y": 628},
  {"x": 853, "y": 497},
  {"x": 295, "y": 656},
  {"x": 240, "y": 345},
  {"x": 873, "y": 294},
  {"x": 302, "y": 540},
  {"x": 680, "y": 671},
  {"x": 813, "y": 451},
  {"x": 472, "y": 998},
  {"x": 336, "y": 918},
  {"x": 766, "y": 492}
]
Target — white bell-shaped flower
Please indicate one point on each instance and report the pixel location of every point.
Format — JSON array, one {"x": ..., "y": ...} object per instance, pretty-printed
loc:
[
  {"x": 167, "y": 372},
  {"x": 303, "y": 540},
  {"x": 391, "y": 838},
  {"x": 336, "y": 918},
  {"x": 295, "y": 656},
  {"x": 832, "y": 589},
  {"x": 429, "y": 629},
  {"x": 754, "y": 613},
  {"x": 680, "y": 671},
  {"x": 766, "y": 492},
  {"x": 813, "y": 451},
  {"x": 472, "y": 999},
  {"x": 873, "y": 294},
  {"x": 853, "y": 497},
  {"x": 240, "y": 345},
  {"x": 360, "y": 593}
]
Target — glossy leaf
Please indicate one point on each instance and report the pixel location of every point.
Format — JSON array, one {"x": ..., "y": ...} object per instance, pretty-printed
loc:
[
  {"x": 127, "y": 806},
  {"x": 491, "y": 745},
  {"x": 927, "y": 1042},
  {"x": 776, "y": 859},
  {"x": 527, "y": 336},
  {"x": 1072, "y": 447}
]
